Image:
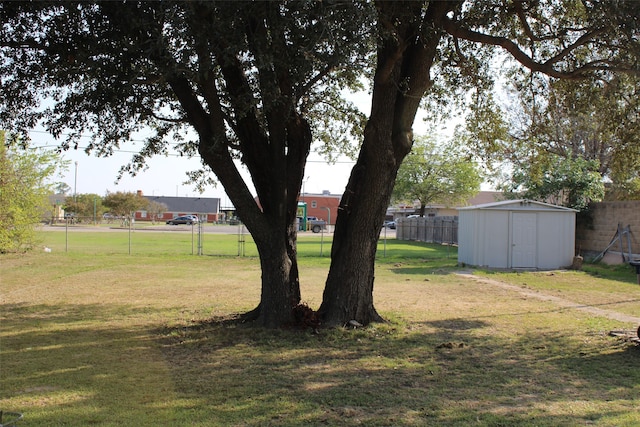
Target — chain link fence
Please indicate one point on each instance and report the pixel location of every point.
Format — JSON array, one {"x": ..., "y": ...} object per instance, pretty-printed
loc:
[
  {"x": 128, "y": 236},
  {"x": 125, "y": 235}
]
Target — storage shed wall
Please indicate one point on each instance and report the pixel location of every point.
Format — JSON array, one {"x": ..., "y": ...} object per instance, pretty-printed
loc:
[
  {"x": 467, "y": 236},
  {"x": 485, "y": 238},
  {"x": 556, "y": 239}
]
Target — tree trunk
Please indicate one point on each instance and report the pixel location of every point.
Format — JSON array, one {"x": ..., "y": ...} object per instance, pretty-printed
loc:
[
  {"x": 271, "y": 221},
  {"x": 348, "y": 293},
  {"x": 280, "y": 289},
  {"x": 405, "y": 56}
]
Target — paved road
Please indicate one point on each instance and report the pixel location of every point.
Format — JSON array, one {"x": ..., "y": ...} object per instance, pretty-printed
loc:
[
  {"x": 222, "y": 229},
  {"x": 209, "y": 228}
]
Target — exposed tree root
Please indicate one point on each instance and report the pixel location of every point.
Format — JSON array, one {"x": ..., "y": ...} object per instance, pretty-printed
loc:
[
  {"x": 305, "y": 317},
  {"x": 250, "y": 316}
]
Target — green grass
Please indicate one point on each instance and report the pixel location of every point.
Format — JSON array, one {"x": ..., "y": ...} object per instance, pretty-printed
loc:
[
  {"x": 598, "y": 285},
  {"x": 145, "y": 241},
  {"x": 100, "y": 337},
  {"x": 181, "y": 241}
]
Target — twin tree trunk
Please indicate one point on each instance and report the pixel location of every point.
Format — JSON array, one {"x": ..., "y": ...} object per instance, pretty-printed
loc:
[
  {"x": 348, "y": 293},
  {"x": 405, "y": 57}
]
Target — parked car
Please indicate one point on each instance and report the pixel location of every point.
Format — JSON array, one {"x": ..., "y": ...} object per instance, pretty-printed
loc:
[
  {"x": 390, "y": 224},
  {"x": 186, "y": 219}
]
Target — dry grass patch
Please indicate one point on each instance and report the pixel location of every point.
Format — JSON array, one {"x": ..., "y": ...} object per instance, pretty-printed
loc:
[
  {"x": 151, "y": 340},
  {"x": 611, "y": 288}
]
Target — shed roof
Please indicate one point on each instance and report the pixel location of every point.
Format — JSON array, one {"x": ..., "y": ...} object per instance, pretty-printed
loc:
[
  {"x": 188, "y": 204},
  {"x": 519, "y": 204}
]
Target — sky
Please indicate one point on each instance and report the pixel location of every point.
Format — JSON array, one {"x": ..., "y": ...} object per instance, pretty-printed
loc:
[{"x": 166, "y": 175}]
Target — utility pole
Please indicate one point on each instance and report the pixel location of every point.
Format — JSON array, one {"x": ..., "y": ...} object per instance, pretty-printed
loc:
[{"x": 75, "y": 183}]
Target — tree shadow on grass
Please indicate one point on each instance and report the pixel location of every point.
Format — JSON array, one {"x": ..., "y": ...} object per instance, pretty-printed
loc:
[
  {"x": 393, "y": 375},
  {"x": 78, "y": 365},
  {"x": 458, "y": 324}
]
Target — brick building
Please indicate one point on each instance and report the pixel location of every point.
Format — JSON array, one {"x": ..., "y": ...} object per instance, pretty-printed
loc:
[{"x": 323, "y": 206}]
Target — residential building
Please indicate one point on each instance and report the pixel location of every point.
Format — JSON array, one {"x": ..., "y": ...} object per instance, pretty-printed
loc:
[
  {"x": 435, "y": 210},
  {"x": 207, "y": 208}
]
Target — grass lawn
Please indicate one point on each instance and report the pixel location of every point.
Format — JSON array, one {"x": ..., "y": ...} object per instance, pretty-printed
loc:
[{"x": 95, "y": 336}]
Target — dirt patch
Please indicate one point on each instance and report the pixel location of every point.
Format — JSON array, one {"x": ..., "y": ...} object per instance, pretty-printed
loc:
[{"x": 610, "y": 314}]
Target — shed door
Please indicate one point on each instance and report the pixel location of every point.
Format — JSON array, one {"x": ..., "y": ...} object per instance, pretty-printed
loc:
[{"x": 523, "y": 240}]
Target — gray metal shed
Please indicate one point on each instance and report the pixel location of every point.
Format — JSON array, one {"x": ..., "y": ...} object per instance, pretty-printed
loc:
[{"x": 517, "y": 234}]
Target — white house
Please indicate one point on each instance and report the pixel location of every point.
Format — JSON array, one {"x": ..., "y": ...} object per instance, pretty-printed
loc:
[{"x": 517, "y": 234}]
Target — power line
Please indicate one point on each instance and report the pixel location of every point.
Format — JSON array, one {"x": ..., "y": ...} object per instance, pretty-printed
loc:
[
  {"x": 181, "y": 155},
  {"x": 115, "y": 151}
]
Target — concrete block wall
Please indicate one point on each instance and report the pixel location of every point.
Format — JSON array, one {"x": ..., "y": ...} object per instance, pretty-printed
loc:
[{"x": 606, "y": 217}]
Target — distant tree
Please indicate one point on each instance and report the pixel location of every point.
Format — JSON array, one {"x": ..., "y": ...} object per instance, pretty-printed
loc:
[
  {"x": 61, "y": 188},
  {"x": 24, "y": 189},
  {"x": 566, "y": 181},
  {"x": 86, "y": 207},
  {"x": 123, "y": 204},
  {"x": 434, "y": 173},
  {"x": 156, "y": 210},
  {"x": 629, "y": 190}
]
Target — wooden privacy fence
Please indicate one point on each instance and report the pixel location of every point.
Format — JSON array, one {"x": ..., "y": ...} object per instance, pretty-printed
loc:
[{"x": 439, "y": 229}]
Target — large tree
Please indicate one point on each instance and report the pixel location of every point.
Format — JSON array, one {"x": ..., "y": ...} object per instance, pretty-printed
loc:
[
  {"x": 246, "y": 77},
  {"x": 434, "y": 49}
]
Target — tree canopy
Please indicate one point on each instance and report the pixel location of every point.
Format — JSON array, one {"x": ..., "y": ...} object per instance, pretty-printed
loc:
[
  {"x": 85, "y": 207},
  {"x": 567, "y": 181},
  {"x": 436, "y": 173},
  {"x": 123, "y": 204},
  {"x": 156, "y": 210},
  {"x": 552, "y": 127},
  {"x": 24, "y": 187},
  {"x": 258, "y": 82}
]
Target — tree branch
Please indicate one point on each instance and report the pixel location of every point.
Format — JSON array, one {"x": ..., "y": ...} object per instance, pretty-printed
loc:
[
  {"x": 582, "y": 40},
  {"x": 166, "y": 119},
  {"x": 455, "y": 29},
  {"x": 315, "y": 79}
]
